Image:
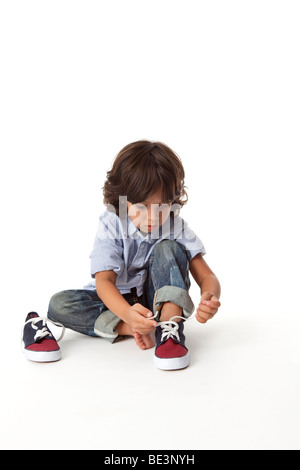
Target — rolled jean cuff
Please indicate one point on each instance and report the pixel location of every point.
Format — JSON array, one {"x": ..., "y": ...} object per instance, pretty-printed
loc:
[
  {"x": 105, "y": 326},
  {"x": 177, "y": 296}
]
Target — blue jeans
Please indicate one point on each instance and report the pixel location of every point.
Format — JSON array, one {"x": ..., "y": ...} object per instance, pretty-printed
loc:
[{"x": 168, "y": 281}]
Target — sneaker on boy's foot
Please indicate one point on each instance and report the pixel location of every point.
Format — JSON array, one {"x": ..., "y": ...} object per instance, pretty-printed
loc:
[
  {"x": 38, "y": 342},
  {"x": 170, "y": 352}
]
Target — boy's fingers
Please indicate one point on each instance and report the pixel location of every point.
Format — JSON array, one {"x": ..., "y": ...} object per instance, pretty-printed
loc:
[
  {"x": 207, "y": 309},
  {"x": 146, "y": 314},
  {"x": 201, "y": 319},
  {"x": 212, "y": 303},
  {"x": 206, "y": 314},
  {"x": 210, "y": 300},
  {"x": 143, "y": 310}
]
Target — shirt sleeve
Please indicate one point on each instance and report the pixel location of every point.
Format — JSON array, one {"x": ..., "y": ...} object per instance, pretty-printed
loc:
[
  {"x": 108, "y": 252},
  {"x": 186, "y": 237}
]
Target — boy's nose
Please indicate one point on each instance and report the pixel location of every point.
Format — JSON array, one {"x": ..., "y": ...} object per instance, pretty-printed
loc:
[{"x": 152, "y": 219}]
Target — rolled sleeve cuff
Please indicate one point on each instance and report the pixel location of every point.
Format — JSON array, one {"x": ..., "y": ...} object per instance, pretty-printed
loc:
[
  {"x": 177, "y": 296},
  {"x": 98, "y": 267}
]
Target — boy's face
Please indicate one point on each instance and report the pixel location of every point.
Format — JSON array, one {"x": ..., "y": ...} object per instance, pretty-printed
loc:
[{"x": 148, "y": 215}]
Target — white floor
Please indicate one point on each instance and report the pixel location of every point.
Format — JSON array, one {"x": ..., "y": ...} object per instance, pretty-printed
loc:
[
  {"x": 219, "y": 83},
  {"x": 241, "y": 391}
]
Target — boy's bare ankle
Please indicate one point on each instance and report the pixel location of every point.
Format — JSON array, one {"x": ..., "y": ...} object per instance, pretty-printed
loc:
[{"x": 170, "y": 310}]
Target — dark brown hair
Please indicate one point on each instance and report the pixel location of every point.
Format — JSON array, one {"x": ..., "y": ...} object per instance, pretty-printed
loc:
[{"x": 139, "y": 169}]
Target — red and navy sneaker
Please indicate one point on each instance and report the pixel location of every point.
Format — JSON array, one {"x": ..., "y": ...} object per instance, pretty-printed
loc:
[
  {"x": 170, "y": 352},
  {"x": 39, "y": 344}
]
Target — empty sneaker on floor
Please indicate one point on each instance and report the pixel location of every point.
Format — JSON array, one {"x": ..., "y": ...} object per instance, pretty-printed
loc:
[
  {"x": 170, "y": 352},
  {"x": 38, "y": 342}
]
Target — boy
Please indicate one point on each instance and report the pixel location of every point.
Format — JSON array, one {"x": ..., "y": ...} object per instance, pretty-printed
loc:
[{"x": 141, "y": 260}]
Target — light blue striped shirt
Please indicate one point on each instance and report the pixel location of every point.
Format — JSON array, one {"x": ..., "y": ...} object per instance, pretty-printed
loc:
[{"x": 120, "y": 246}]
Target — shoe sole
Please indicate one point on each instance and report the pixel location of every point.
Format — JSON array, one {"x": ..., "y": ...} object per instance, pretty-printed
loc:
[
  {"x": 173, "y": 363},
  {"x": 42, "y": 356}
]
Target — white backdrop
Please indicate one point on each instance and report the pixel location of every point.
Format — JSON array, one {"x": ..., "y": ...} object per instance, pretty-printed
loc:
[{"x": 217, "y": 81}]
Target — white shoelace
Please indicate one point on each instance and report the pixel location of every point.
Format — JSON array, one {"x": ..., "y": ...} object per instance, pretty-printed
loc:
[
  {"x": 170, "y": 327},
  {"x": 43, "y": 332}
]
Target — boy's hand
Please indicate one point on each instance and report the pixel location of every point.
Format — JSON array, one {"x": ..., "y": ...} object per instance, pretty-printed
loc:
[
  {"x": 138, "y": 318},
  {"x": 208, "y": 307}
]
